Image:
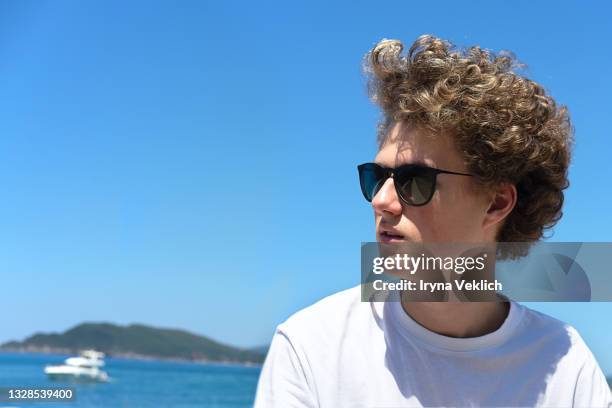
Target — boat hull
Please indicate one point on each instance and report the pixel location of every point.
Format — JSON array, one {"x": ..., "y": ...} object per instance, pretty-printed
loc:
[{"x": 71, "y": 373}]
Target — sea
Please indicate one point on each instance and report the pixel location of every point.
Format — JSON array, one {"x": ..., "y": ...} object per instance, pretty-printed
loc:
[{"x": 136, "y": 383}]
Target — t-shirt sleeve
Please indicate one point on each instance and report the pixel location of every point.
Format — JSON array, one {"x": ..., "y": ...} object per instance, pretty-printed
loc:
[
  {"x": 592, "y": 389},
  {"x": 283, "y": 381}
]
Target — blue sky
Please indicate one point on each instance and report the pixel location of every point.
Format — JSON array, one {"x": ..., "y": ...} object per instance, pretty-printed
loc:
[{"x": 192, "y": 164}]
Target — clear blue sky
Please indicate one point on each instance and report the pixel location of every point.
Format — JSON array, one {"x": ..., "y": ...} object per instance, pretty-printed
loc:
[{"x": 192, "y": 164}]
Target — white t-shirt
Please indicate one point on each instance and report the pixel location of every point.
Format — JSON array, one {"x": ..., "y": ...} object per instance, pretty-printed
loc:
[{"x": 341, "y": 352}]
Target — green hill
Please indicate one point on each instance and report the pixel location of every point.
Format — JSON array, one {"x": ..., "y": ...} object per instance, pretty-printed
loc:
[
  {"x": 260, "y": 349},
  {"x": 136, "y": 340}
]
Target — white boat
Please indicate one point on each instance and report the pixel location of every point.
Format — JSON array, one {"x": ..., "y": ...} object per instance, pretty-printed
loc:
[{"x": 84, "y": 367}]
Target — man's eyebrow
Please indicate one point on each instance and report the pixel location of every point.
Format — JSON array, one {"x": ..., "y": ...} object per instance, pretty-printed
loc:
[{"x": 414, "y": 163}]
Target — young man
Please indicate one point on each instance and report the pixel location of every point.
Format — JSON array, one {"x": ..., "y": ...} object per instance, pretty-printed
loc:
[{"x": 462, "y": 112}]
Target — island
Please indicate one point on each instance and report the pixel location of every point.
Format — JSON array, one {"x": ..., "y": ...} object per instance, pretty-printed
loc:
[{"x": 137, "y": 341}]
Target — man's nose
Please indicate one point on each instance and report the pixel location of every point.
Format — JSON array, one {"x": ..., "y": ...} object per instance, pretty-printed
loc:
[{"x": 386, "y": 199}]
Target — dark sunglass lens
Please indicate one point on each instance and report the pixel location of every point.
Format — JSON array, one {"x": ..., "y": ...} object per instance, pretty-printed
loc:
[
  {"x": 416, "y": 186},
  {"x": 372, "y": 179}
]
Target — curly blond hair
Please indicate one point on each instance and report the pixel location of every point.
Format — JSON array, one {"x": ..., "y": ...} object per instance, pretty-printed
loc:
[{"x": 506, "y": 126}]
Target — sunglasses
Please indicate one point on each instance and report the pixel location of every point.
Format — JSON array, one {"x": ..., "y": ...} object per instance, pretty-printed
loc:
[{"x": 415, "y": 184}]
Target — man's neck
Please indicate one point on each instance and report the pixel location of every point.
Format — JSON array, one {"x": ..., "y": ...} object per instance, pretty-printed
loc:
[{"x": 458, "y": 319}]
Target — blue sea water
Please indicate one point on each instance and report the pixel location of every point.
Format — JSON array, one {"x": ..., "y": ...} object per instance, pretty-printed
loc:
[{"x": 136, "y": 383}]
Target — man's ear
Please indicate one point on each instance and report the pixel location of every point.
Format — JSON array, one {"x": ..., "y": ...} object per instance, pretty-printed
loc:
[{"x": 503, "y": 199}]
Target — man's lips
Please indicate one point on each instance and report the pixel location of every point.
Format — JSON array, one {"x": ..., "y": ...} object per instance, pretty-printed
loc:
[{"x": 390, "y": 236}]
